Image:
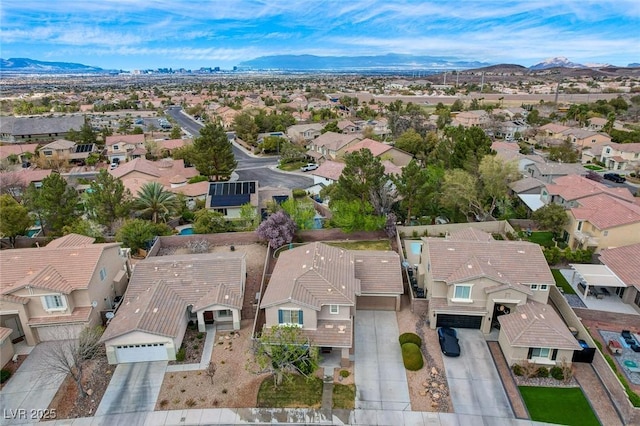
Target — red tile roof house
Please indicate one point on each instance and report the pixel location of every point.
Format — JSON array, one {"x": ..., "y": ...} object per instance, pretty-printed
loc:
[
  {"x": 167, "y": 292},
  {"x": 602, "y": 221},
  {"x": 568, "y": 190},
  {"x": 170, "y": 173},
  {"x": 53, "y": 292},
  {"x": 385, "y": 152},
  {"x": 318, "y": 287},
  {"x": 331, "y": 145},
  {"x": 474, "y": 281},
  {"x": 620, "y": 261}
]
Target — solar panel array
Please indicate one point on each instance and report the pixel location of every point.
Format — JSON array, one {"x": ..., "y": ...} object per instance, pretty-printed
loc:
[
  {"x": 87, "y": 147},
  {"x": 227, "y": 194}
]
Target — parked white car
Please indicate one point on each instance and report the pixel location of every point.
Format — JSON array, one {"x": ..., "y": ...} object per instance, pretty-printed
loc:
[{"x": 308, "y": 167}]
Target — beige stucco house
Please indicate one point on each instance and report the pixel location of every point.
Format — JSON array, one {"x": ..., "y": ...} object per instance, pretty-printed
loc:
[
  {"x": 171, "y": 174},
  {"x": 167, "y": 292},
  {"x": 474, "y": 281},
  {"x": 568, "y": 190},
  {"x": 125, "y": 147},
  {"x": 383, "y": 151},
  {"x": 6, "y": 346},
  {"x": 602, "y": 221},
  {"x": 55, "y": 291},
  {"x": 319, "y": 287},
  {"x": 618, "y": 261},
  {"x": 618, "y": 156},
  {"x": 331, "y": 145}
]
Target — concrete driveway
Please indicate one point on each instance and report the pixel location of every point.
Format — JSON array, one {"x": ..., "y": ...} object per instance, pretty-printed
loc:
[
  {"x": 381, "y": 381},
  {"x": 474, "y": 383},
  {"x": 31, "y": 389},
  {"x": 133, "y": 388}
]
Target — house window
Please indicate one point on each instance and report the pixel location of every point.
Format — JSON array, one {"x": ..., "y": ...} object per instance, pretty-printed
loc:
[
  {"x": 103, "y": 274},
  {"x": 605, "y": 233},
  {"x": 579, "y": 225},
  {"x": 115, "y": 147},
  {"x": 223, "y": 211},
  {"x": 290, "y": 316},
  {"x": 462, "y": 293},
  {"x": 224, "y": 313},
  {"x": 54, "y": 302},
  {"x": 334, "y": 309},
  {"x": 542, "y": 354},
  {"x": 47, "y": 153},
  {"x": 544, "y": 287},
  {"x": 534, "y": 287}
]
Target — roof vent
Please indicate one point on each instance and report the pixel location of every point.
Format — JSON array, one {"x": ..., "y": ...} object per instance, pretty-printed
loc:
[
  {"x": 523, "y": 316},
  {"x": 521, "y": 251},
  {"x": 155, "y": 310},
  {"x": 470, "y": 266},
  {"x": 226, "y": 297},
  {"x": 137, "y": 310},
  {"x": 451, "y": 249}
]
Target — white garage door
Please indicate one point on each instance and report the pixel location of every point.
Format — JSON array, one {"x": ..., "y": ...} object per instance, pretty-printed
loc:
[
  {"x": 59, "y": 332},
  {"x": 141, "y": 353}
]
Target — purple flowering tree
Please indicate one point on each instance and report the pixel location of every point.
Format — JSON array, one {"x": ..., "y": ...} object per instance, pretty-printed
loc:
[{"x": 279, "y": 229}]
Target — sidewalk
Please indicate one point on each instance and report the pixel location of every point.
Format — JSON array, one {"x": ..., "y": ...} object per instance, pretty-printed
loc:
[{"x": 209, "y": 342}]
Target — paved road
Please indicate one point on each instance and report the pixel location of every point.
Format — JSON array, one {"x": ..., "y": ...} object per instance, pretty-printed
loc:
[
  {"x": 473, "y": 379},
  {"x": 381, "y": 380},
  {"x": 133, "y": 388},
  {"x": 249, "y": 167}
]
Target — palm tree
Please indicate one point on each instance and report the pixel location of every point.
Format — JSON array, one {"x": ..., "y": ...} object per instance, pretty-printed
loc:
[{"x": 154, "y": 201}]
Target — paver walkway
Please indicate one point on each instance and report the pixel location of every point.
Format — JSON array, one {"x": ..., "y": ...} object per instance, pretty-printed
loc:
[
  {"x": 597, "y": 395},
  {"x": 510, "y": 387}
]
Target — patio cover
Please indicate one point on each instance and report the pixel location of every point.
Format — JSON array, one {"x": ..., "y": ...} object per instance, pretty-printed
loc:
[
  {"x": 597, "y": 275},
  {"x": 532, "y": 201}
]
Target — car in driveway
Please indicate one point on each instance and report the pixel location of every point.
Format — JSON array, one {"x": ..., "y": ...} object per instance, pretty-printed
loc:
[
  {"x": 594, "y": 176},
  {"x": 449, "y": 344},
  {"x": 308, "y": 167},
  {"x": 614, "y": 177}
]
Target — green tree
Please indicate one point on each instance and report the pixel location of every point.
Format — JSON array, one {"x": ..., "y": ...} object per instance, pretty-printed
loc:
[
  {"x": 551, "y": 217},
  {"x": 107, "y": 200},
  {"x": 155, "y": 203},
  {"x": 362, "y": 176},
  {"x": 249, "y": 217},
  {"x": 139, "y": 233},
  {"x": 285, "y": 349},
  {"x": 55, "y": 203},
  {"x": 564, "y": 153},
  {"x": 175, "y": 132},
  {"x": 245, "y": 127},
  {"x": 410, "y": 141},
  {"x": 209, "y": 222},
  {"x": 301, "y": 211},
  {"x": 272, "y": 144},
  {"x": 14, "y": 218},
  {"x": 85, "y": 135},
  {"x": 212, "y": 154},
  {"x": 351, "y": 216},
  {"x": 462, "y": 148},
  {"x": 331, "y": 126},
  {"x": 410, "y": 186}
]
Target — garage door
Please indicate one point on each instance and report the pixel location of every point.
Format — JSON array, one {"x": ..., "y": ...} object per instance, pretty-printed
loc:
[
  {"x": 141, "y": 353},
  {"x": 59, "y": 332},
  {"x": 459, "y": 321},
  {"x": 376, "y": 303}
]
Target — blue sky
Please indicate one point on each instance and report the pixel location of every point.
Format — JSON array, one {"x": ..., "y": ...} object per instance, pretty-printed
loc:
[{"x": 138, "y": 34}]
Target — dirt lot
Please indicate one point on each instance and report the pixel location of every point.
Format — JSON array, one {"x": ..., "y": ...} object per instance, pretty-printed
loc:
[
  {"x": 234, "y": 386},
  {"x": 67, "y": 402},
  {"x": 428, "y": 387}
]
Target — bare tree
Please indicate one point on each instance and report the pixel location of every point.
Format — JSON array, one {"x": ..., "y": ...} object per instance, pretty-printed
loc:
[
  {"x": 69, "y": 355},
  {"x": 211, "y": 370}
]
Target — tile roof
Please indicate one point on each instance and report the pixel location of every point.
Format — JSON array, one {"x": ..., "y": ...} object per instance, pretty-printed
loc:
[
  {"x": 60, "y": 267},
  {"x": 157, "y": 171},
  {"x": 573, "y": 187},
  {"x": 537, "y": 325},
  {"x": 4, "y": 333},
  {"x": 334, "y": 141},
  {"x": 559, "y": 168},
  {"x": 313, "y": 275},
  {"x": 376, "y": 148},
  {"x": 333, "y": 333},
  {"x": 42, "y": 125},
  {"x": 161, "y": 288},
  {"x": 125, "y": 139},
  {"x": 25, "y": 176},
  {"x": 620, "y": 262},
  {"x": 171, "y": 144},
  {"x": 329, "y": 170},
  {"x": 554, "y": 128},
  {"x": 17, "y": 149},
  {"x": 525, "y": 184},
  {"x": 197, "y": 189},
  {"x": 71, "y": 240},
  {"x": 80, "y": 314},
  {"x": 625, "y": 147},
  {"x": 391, "y": 169},
  {"x": 604, "y": 211},
  {"x": 470, "y": 234},
  {"x": 513, "y": 262},
  {"x": 378, "y": 271},
  {"x": 441, "y": 304},
  {"x": 59, "y": 144}
]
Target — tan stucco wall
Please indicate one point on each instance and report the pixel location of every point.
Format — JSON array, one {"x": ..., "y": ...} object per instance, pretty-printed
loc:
[
  {"x": 136, "y": 338},
  {"x": 6, "y": 351},
  {"x": 344, "y": 313},
  {"x": 35, "y": 307},
  {"x": 616, "y": 237},
  {"x": 309, "y": 316},
  {"x": 101, "y": 289}
]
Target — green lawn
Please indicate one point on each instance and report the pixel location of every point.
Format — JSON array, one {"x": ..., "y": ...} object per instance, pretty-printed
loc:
[
  {"x": 363, "y": 245},
  {"x": 593, "y": 167},
  {"x": 561, "y": 281},
  {"x": 295, "y": 391},
  {"x": 543, "y": 238},
  {"x": 565, "y": 406},
  {"x": 290, "y": 167},
  {"x": 344, "y": 396}
]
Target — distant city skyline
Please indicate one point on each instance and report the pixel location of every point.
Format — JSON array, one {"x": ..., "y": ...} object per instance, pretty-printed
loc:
[{"x": 129, "y": 35}]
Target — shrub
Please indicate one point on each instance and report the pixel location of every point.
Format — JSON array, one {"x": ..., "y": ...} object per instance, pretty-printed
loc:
[
  {"x": 410, "y": 338},
  {"x": 517, "y": 370},
  {"x": 190, "y": 402},
  {"x": 412, "y": 357},
  {"x": 4, "y": 375},
  {"x": 542, "y": 372},
  {"x": 200, "y": 335},
  {"x": 181, "y": 355},
  {"x": 298, "y": 193},
  {"x": 344, "y": 373},
  {"x": 164, "y": 403},
  {"x": 195, "y": 347},
  {"x": 557, "y": 373}
]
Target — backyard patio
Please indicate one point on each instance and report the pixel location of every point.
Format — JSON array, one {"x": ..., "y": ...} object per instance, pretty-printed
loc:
[
  {"x": 601, "y": 290},
  {"x": 628, "y": 360}
]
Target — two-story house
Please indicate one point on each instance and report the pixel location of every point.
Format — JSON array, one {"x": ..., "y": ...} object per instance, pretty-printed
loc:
[
  {"x": 318, "y": 288},
  {"x": 585, "y": 138},
  {"x": 169, "y": 173},
  {"x": 602, "y": 221},
  {"x": 619, "y": 261},
  {"x": 304, "y": 132},
  {"x": 547, "y": 172},
  {"x": 53, "y": 292},
  {"x": 331, "y": 145},
  {"x": 383, "y": 151},
  {"x": 568, "y": 190},
  {"x": 474, "y": 281},
  {"x": 474, "y": 118},
  {"x": 123, "y": 148},
  {"x": 68, "y": 150},
  {"x": 619, "y": 156}
]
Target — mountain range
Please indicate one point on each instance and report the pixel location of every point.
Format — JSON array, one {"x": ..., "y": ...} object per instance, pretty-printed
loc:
[{"x": 26, "y": 65}]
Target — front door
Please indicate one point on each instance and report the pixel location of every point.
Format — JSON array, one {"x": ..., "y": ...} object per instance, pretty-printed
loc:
[
  {"x": 17, "y": 335},
  {"x": 208, "y": 317}
]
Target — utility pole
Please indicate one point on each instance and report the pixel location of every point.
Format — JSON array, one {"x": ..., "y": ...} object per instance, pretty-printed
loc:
[
  {"x": 482, "y": 83},
  {"x": 445, "y": 78}
]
